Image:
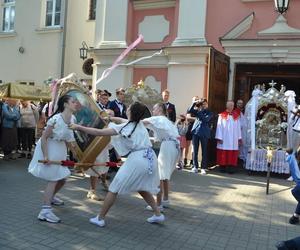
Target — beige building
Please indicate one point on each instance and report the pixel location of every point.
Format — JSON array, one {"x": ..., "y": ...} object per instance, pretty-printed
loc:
[{"x": 41, "y": 38}]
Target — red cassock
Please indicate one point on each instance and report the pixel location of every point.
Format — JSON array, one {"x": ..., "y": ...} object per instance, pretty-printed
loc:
[{"x": 229, "y": 132}]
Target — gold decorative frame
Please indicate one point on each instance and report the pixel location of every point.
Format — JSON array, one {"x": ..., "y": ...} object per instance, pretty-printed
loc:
[{"x": 87, "y": 147}]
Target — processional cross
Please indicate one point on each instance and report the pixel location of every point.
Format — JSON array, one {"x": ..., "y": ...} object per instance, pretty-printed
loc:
[{"x": 272, "y": 84}]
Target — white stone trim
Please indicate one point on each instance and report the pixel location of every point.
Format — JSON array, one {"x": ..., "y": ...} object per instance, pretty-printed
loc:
[
  {"x": 5, "y": 34},
  {"x": 154, "y": 4},
  {"x": 192, "y": 13},
  {"x": 45, "y": 30},
  {"x": 112, "y": 44},
  {"x": 196, "y": 55},
  {"x": 256, "y": 0},
  {"x": 280, "y": 28},
  {"x": 260, "y": 51},
  {"x": 240, "y": 28}
]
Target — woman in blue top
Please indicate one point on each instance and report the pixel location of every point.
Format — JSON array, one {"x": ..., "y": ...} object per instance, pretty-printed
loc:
[{"x": 9, "y": 138}]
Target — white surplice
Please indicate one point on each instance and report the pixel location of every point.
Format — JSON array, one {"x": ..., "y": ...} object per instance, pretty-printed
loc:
[{"x": 229, "y": 131}]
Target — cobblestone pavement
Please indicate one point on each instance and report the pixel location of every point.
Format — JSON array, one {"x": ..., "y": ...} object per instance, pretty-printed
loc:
[{"x": 217, "y": 211}]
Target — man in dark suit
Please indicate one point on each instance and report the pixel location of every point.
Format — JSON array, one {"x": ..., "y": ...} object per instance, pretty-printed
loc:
[
  {"x": 201, "y": 132},
  {"x": 171, "y": 111},
  {"x": 103, "y": 98},
  {"x": 119, "y": 109},
  {"x": 117, "y": 105}
]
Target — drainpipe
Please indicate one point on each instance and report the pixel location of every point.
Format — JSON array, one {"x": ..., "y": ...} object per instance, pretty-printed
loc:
[{"x": 63, "y": 50}]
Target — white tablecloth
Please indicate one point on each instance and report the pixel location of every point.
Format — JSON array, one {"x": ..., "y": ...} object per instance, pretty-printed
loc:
[{"x": 258, "y": 162}]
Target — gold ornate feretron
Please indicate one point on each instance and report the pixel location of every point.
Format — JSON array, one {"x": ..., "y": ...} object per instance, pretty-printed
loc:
[
  {"x": 271, "y": 119},
  {"x": 87, "y": 147}
]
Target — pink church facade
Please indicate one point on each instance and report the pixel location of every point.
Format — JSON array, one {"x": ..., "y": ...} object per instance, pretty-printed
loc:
[
  {"x": 261, "y": 44},
  {"x": 194, "y": 35}
]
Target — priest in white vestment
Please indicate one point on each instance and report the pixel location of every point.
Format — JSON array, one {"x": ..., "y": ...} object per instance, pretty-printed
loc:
[{"x": 228, "y": 137}]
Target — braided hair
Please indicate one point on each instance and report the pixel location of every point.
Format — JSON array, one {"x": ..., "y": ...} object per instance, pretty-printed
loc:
[
  {"x": 137, "y": 111},
  {"x": 61, "y": 104}
]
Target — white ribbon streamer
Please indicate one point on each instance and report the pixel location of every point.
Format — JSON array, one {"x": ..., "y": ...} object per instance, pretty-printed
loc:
[
  {"x": 255, "y": 94},
  {"x": 291, "y": 105}
]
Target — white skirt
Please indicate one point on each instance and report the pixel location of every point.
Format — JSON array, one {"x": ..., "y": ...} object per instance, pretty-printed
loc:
[
  {"x": 134, "y": 176},
  {"x": 102, "y": 157},
  {"x": 57, "y": 151},
  {"x": 167, "y": 159}
]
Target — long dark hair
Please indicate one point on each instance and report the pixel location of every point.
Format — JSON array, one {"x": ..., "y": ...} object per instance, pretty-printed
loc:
[
  {"x": 61, "y": 104},
  {"x": 137, "y": 111}
]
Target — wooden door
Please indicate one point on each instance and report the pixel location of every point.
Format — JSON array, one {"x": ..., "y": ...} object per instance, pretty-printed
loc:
[
  {"x": 218, "y": 80},
  {"x": 217, "y": 93}
]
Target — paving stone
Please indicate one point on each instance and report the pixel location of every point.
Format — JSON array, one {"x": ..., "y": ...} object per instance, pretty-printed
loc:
[{"x": 212, "y": 212}]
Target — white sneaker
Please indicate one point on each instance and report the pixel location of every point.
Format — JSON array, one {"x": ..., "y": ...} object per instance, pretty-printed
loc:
[
  {"x": 93, "y": 196},
  {"x": 290, "y": 178},
  {"x": 149, "y": 208},
  {"x": 203, "y": 172},
  {"x": 165, "y": 203},
  {"x": 57, "y": 202},
  {"x": 97, "y": 222},
  {"x": 156, "y": 219},
  {"x": 48, "y": 215},
  {"x": 195, "y": 170}
]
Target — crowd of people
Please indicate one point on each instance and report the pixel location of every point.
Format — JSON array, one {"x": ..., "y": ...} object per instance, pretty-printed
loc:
[{"x": 145, "y": 171}]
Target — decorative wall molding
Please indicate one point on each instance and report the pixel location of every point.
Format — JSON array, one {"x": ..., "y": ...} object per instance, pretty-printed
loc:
[
  {"x": 8, "y": 34},
  {"x": 112, "y": 44},
  {"x": 263, "y": 50},
  {"x": 154, "y": 28},
  {"x": 280, "y": 28},
  {"x": 240, "y": 28},
  {"x": 153, "y": 4},
  {"x": 256, "y": 0},
  {"x": 46, "y": 30}
]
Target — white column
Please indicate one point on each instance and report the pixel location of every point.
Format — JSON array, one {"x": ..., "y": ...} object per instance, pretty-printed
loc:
[
  {"x": 191, "y": 23},
  {"x": 111, "y": 24},
  {"x": 231, "y": 78}
]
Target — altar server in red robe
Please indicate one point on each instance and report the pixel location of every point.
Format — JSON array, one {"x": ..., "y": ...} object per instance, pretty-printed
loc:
[{"x": 228, "y": 137}]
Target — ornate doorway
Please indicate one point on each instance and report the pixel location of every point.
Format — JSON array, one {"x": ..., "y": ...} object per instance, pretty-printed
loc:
[{"x": 248, "y": 75}]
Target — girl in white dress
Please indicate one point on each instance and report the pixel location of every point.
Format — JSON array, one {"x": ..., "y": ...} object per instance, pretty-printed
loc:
[
  {"x": 167, "y": 133},
  {"x": 53, "y": 146},
  {"x": 139, "y": 173}
]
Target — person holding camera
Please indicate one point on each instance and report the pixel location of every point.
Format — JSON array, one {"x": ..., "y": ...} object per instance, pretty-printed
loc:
[{"x": 201, "y": 132}]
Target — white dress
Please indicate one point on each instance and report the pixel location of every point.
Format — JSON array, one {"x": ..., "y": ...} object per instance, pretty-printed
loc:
[
  {"x": 57, "y": 151},
  {"x": 102, "y": 157},
  {"x": 139, "y": 172},
  {"x": 166, "y": 132}
]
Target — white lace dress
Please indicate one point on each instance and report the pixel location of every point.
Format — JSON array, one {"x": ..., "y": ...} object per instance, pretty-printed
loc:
[
  {"x": 139, "y": 172},
  {"x": 165, "y": 132},
  {"x": 57, "y": 151}
]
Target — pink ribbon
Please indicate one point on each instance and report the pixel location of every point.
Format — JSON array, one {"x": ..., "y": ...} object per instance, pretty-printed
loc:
[
  {"x": 54, "y": 92},
  {"x": 116, "y": 63}
]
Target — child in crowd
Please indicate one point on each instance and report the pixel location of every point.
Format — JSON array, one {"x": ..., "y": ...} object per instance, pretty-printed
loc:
[{"x": 182, "y": 127}]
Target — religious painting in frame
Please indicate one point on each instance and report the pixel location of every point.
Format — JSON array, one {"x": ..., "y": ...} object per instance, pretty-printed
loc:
[{"x": 87, "y": 147}]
